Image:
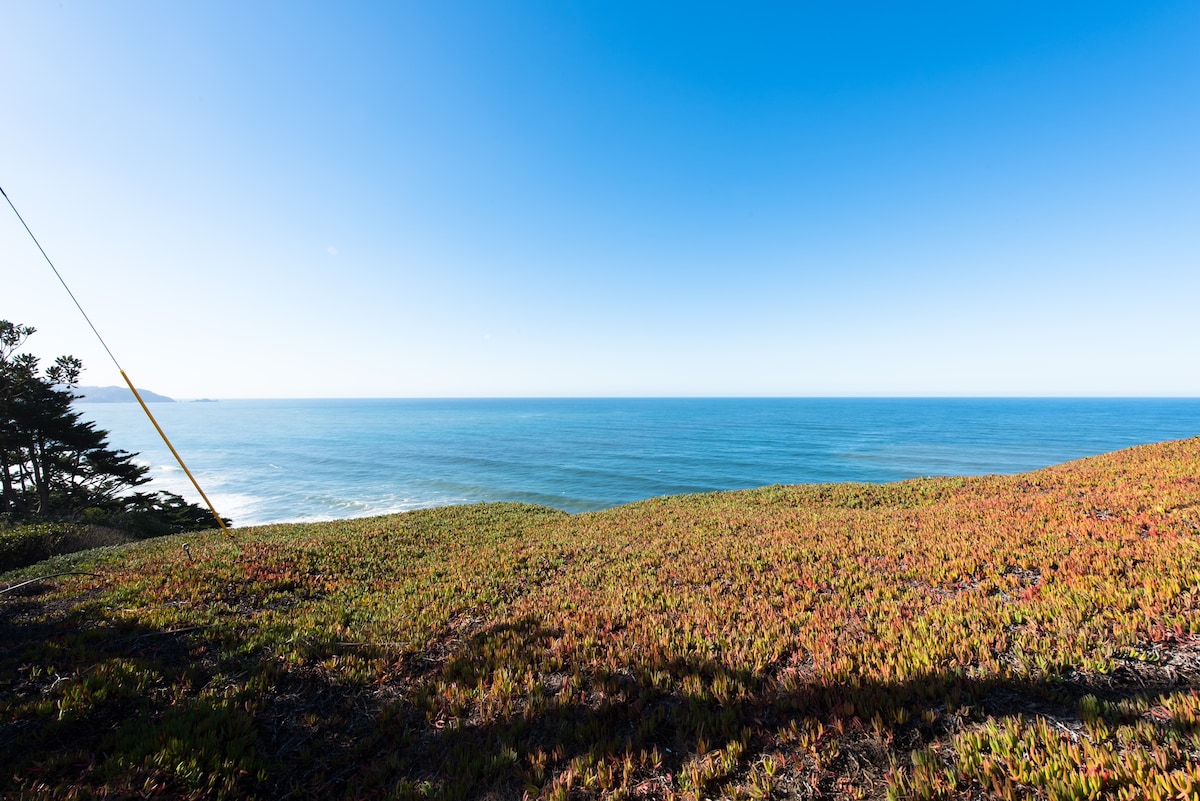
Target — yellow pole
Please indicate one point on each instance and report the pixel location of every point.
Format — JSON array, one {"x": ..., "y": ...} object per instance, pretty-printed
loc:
[{"x": 178, "y": 458}]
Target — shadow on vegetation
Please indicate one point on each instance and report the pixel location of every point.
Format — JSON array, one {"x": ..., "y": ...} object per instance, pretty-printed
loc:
[
  {"x": 83, "y": 701},
  {"x": 29, "y": 544},
  {"x": 90, "y": 701}
]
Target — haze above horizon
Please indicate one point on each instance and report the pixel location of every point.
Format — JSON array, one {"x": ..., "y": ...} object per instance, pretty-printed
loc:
[{"x": 469, "y": 199}]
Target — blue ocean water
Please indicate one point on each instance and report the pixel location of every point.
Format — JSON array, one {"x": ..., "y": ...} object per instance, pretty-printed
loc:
[{"x": 264, "y": 461}]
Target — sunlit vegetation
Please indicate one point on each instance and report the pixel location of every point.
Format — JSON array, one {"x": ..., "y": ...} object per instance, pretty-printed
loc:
[{"x": 1027, "y": 637}]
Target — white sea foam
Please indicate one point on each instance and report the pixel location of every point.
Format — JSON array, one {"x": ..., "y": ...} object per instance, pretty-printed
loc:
[{"x": 238, "y": 507}]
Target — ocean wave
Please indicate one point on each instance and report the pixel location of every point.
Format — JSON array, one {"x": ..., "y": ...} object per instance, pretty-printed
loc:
[{"x": 241, "y": 508}]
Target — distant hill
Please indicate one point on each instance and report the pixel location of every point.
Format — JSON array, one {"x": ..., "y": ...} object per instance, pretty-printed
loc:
[{"x": 119, "y": 395}]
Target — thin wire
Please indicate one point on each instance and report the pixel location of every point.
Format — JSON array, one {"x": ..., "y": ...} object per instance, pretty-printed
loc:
[
  {"x": 60, "y": 279},
  {"x": 145, "y": 408},
  {"x": 175, "y": 453}
]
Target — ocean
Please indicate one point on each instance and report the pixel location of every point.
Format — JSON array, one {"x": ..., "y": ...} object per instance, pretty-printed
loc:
[{"x": 269, "y": 461}]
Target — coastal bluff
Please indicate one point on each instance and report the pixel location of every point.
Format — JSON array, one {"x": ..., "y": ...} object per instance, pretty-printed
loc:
[
  {"x": 1030, "y": 635},
  {"x": 118, "y": 395}
]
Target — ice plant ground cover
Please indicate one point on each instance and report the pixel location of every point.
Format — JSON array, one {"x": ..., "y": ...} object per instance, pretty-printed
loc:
[{"x": 1025, "y": 636}]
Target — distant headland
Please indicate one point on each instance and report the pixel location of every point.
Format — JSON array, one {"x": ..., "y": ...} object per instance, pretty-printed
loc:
[{"x": 119, "y": 395}]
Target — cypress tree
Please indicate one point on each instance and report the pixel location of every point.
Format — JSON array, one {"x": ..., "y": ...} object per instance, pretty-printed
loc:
[{"x": 54, "y": 465}]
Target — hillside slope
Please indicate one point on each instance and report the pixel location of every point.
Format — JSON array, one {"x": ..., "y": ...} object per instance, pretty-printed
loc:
[{"x": 1028, "y": 636}]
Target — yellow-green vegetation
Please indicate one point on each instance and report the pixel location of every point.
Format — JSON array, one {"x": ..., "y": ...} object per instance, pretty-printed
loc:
[
  {"x": 1029, "y": 636},
  {"x": 33, "y": 542}
]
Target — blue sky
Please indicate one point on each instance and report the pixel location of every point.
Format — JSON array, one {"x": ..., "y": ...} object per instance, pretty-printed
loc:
[{"x": 561, "y": 199}]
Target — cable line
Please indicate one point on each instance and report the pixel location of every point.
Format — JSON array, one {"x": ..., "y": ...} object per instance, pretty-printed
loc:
[{"x": 129, "y": 383}]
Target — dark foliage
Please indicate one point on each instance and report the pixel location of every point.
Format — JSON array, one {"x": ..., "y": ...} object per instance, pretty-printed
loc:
[{"x": 55, "y": 466}]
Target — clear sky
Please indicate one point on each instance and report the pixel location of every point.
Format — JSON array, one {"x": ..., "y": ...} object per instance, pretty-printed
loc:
[{"x": 446, "y": 198}]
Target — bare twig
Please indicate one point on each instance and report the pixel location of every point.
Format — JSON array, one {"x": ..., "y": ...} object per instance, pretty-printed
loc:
[{"x": 43, "y": 578}]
